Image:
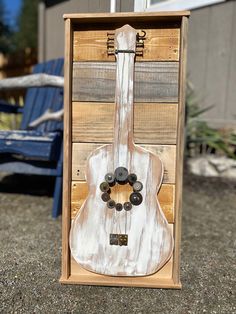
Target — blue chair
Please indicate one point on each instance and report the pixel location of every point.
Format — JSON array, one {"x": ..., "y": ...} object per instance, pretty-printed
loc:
[{"x": 39, "y": 150}]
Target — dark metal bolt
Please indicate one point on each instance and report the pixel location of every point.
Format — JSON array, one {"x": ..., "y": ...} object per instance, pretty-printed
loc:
[
  {"x": 104, "y": 187},
  {"x": 137, "y": 186},
  {"x": 132, "y": 178},
  {"x": 119, "y": 207},
  {"x": 121, "y": 174},
  {"x": 111, "y": 204},
  {"x": 136, "y": 198},
  {"x": 105, "y": 197},
  {"x": 127, "y": 206}
]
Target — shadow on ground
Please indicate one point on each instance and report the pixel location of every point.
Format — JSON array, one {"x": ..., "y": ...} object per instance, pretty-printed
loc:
[
  {"x": 27, "y": 184},
  {"x": 31, "y": 244}
]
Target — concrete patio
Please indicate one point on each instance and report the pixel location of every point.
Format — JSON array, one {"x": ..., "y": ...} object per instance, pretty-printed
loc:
[{"x": 31, "y": 246}]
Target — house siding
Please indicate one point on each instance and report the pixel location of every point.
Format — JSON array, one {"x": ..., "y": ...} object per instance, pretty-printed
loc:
[
  {"x": 212, "y": 61},
  {"x": 51, "y": 40}
]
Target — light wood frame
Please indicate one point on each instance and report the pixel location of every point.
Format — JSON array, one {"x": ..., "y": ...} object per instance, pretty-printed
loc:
[{"x": 81, "y": 276}]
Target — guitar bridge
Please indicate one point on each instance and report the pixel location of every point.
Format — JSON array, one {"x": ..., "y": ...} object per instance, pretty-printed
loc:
[{"x": 118, "y": 239}]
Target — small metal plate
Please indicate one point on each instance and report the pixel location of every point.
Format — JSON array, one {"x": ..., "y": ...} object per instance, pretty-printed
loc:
[
  {"x": 123, "y": 239},
  {"x": 114, "y": 239},
  {"x": 118, "y": 239}
]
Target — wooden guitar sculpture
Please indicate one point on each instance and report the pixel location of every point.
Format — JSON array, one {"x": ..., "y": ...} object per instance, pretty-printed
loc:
[{"x": 120, "y": 229}]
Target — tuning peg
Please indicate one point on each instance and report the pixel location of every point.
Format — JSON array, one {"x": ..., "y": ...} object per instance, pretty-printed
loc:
[
  {"x": 139, "y": 36},
  {"x": 140, "y": 45},
  {"x": 139, "y": 53},
  {"x": 110, "y": 42},
  {"x": 111, "y": 34},
  {"x": 110, "y": 51}
]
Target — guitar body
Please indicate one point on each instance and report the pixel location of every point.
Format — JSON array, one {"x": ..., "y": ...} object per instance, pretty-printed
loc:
[{"x": 150, "y": 242}]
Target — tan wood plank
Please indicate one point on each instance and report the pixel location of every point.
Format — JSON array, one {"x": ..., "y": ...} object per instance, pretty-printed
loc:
[
  {"x": 146, "y": 17},
  {"x": 84, "y": 277},
  {"x": 154, "y": 81},
  {"x": 180, "y": 152},
  {"x": 80, "y": 152},
  {"x": 153, "y": 123},
  {"x": 165, "y": 197},
  {"x": 161, "y": 44},
  {"x": 67, "y": 154},
  {"x": 143, "y": 282}
]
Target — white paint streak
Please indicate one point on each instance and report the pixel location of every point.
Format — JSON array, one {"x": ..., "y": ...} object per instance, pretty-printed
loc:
[{"x": 150, "y": 242}]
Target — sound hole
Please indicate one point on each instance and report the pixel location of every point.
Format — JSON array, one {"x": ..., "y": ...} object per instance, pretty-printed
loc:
[{"x": 121, "y": 193}]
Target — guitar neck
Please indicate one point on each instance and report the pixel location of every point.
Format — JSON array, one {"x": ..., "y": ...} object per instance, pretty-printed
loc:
[{"x": 123, "y": 124}]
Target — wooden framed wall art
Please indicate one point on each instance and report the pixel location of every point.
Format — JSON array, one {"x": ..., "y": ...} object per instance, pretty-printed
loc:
[{"x": 123, "y": 148}]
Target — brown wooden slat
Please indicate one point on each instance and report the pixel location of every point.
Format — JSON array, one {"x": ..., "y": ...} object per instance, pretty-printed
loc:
[
  {"x": 67, "y": 143},
  {"x": 165, "y": 197},
  {"x": 161, "y": 44},
  {"x": 153, "y": 123},
  {"x": 163, "y": 278},
  {"x": 154, "y": 81},
  {"x": 180, "y": 152},
  {"x": 80, "y": 152}
]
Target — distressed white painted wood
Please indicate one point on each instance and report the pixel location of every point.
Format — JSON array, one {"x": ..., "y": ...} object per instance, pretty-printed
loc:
[
  {"x": 47, "y": 116},
  {"x": 32, "y": 80},
  {"x": 150, "y": 241}
]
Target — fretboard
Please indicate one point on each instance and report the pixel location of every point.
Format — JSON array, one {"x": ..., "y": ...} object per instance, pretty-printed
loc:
[{"x": 123, "y": 124}]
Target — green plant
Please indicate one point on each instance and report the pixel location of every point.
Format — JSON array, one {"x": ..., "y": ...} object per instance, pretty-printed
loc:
[
  {"x": 11, "y": 121},
  {"x": 200, "y": 137}
]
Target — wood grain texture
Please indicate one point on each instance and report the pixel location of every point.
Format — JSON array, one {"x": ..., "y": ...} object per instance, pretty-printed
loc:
[
  {"x": 161, "y": 44},
  {"x": 154, "y": 81},
  {"x": 67, "y": 154},
  {"x": 86, "y": 278},
  {"x": 125, "y": 17},
  {"x": 81, "y": 151},
  {"x": 79, "y": 192},
  {"x": 180, "y": 151},
  {"x": 150, "y": 241},
  {"x": 153, "y": 123},
  {"x": 78, "y": 274}
]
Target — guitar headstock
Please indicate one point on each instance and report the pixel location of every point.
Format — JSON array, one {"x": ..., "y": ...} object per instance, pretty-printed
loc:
[{"x": 126, "y": 40}]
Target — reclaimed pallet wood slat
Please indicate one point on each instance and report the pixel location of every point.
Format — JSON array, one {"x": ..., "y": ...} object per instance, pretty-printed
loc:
[
  {"x": 71, "y": 271},
  {"x": 65, "y": 267},
  {"x": 154, "y": 81},
  {"x": 81, "y": 151},
  {"x": 180, "y": 152},
  {"x": 153, "y": 123},
  {"x": 161, "y": 44},
  {"x": 165, "y": 196}
]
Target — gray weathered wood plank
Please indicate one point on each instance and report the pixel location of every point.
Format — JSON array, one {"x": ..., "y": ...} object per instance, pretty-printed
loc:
[{"x": 154, "y": 81}]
